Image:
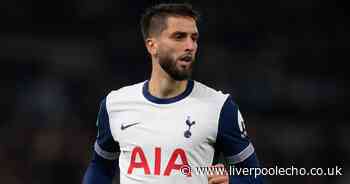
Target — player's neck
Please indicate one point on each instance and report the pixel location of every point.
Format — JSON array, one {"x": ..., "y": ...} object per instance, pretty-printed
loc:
[{"x": 161, "y": 85}]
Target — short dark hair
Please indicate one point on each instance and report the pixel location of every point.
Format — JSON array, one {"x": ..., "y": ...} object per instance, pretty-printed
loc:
[{"x": 153, "y": 21}]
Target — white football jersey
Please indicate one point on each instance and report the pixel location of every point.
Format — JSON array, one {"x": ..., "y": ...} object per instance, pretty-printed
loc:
[{"x": 154, "y": 139}]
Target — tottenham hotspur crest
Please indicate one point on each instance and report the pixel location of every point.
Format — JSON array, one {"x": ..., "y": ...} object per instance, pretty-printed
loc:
[{"x": 189, "y": 123}]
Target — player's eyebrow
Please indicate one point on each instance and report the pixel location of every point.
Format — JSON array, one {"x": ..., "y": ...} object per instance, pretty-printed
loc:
[
  {"x": 178, "y": 33},
  {"x": 183, "y": 34}
]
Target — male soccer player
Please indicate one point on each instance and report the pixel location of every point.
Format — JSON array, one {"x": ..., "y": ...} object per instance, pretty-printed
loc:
[{"x": 151, "y": 132}]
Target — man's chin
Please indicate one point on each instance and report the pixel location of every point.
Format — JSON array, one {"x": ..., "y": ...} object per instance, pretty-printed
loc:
[
  {"x": 182, "y": 76},
  {"x": 178, "y": 71},
  {"x": 181, "y": 79}
]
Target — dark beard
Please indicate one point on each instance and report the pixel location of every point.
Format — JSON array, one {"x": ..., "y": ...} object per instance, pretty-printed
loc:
[{"x": 169, "y": 66}]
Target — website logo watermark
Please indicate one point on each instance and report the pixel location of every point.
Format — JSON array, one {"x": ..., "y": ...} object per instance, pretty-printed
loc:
[{"x": 272, "y": 171}]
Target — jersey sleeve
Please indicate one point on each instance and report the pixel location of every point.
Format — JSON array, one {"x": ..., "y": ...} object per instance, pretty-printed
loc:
[
  {"x": 104, "y": 163},
  {"x": 234, "y": 144},
  {"x": 105, "y": 146},
  {"x": 232, "y": 138}
]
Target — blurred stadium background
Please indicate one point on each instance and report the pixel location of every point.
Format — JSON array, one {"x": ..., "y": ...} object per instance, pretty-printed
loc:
[{"x": 284, "y": 62}]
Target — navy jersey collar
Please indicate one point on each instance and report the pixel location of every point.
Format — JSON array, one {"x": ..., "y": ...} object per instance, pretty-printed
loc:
[{"x": 157, "y": 100}]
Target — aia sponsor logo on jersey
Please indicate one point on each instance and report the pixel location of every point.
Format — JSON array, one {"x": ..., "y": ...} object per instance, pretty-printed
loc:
[{"x": 143, "y": 162}]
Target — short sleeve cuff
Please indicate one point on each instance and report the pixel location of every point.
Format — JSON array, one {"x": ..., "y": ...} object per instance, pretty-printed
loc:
[
  {"x": 241, "y": 156},
  {"x": 105, "y": 154}
]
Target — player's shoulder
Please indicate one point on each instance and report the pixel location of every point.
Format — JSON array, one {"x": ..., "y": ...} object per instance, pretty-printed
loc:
[
  {"x": 205, "y": 92},
  {"x": 125, "y": 92}
]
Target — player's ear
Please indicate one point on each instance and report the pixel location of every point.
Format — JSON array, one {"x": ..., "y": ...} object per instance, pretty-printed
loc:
[{"x": 151, "y": 46}]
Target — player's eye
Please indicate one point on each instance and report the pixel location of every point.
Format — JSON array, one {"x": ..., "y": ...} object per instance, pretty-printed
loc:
[
  {"x": 195, "y": 38},
  {"x": 179, "y": 36}
]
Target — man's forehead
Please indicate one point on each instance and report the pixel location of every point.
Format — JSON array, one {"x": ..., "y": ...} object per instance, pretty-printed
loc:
[{"x": 181, "y": 24}]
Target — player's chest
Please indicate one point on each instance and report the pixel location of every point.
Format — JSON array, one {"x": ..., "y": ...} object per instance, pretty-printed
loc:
[{"x": 166, "y": 127}]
